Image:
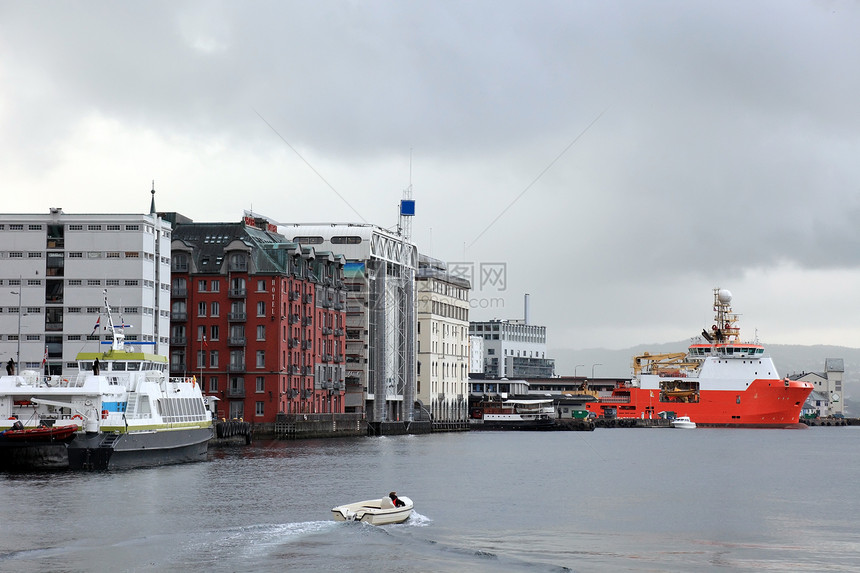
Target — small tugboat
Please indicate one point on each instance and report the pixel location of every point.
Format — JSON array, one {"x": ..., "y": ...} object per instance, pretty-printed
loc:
[
  {"x": 720, "y": 381},
  {"x": 374, "y": 511},
  {"x": 121, "y": 409}
]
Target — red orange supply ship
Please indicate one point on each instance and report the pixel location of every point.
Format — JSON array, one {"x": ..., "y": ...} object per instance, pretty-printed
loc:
[{"x": 720, "y": 381}]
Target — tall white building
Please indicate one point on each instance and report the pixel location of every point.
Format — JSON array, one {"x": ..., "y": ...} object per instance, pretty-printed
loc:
[
  {"x": 443, "y": 341},
  {"x": 54, "y": 269},
  {"x": 828, "y": 387},
  {"x": 379, "y": 276},
  {"x": 513, "y": 349}
]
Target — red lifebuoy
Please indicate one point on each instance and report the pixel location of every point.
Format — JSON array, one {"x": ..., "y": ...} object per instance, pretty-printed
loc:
[
  {"x": 77, "y": 417},
  {"x": 105, "y": 414}
]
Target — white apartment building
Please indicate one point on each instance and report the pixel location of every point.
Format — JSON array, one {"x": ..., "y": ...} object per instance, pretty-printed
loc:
[
  {"x": 827, "y": 387},
  {"x": 379, "y": 277},
  {"x": 54, "y": 269},
  {"x": 443, "y": 341},
  {"x": 513, "y": 349}
]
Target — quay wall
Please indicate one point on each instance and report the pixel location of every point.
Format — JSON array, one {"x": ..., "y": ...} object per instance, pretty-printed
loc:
[{"x": 832, "y": 422}]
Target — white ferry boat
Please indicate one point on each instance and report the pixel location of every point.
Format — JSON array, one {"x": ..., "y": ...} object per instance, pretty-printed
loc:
[
  {"x": 126, "y": 410},
  {"x": 513, "y": 415}
]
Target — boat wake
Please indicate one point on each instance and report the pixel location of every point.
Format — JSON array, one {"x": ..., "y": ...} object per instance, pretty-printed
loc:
[{"x": 417, "y": 520}]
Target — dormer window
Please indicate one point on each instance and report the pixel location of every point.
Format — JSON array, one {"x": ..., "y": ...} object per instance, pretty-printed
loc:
[{"x": 238, "y": 262}]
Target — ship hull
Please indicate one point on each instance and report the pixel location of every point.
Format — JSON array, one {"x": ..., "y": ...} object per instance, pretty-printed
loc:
[
  {"x": 139, "y": 449},
  {"x": 764, "y": 404},
  {"x": 34, "y": 456},
  {"x": 522, "y": 425}
]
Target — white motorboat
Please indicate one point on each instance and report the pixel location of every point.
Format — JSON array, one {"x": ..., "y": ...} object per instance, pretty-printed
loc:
[
  {"x": 374, "y": 511},
  {"x": 683, "y": 422}
]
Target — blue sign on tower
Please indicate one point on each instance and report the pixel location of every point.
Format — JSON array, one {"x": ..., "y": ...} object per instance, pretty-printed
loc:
[{"x": 407, "y": 207}]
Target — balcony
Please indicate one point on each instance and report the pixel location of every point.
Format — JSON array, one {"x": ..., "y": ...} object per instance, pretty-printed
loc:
[
  {"x": 179, "y": 367},
  {"x": 237, "y": 316},
  {"x": 178, "y": 340},
  {"x": 236, "y": 367},
  {"x": 294, "y": 295},
  {"x": 235, "y": 392},
  {"x": 236, "y": 341},
  {"x": 178, "y": 316},
  {"x": 179, "y": 291},
  {"x": 238, "y": 292}
]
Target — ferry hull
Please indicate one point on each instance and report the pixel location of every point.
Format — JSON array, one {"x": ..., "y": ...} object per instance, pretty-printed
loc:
[
  {"x": 99, "y": 451},
  {"x": 764, "y": 404},
  {"x": 27, "y": 456},
  {"x": 523, "y": 425}
]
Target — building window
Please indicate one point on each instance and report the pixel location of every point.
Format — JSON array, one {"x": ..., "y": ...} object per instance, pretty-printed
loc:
[
  {"x": 259, "y": 410},
  {"x": 215, "y": 307},
  {"x": 261, "y": 308},
  {"x": 261, "y": 359},
  {"x": 261, "y": 332},
  {"x": 215, "y": 286},
  {"x": 261, "y": 286},
  {"x": 201, "y": 309},
  {"x": 180, "y": 262},
  {"x": 213, "y": 384},
  {"x": 213, "y": 359},
  {"x": 215, "y": 332},
  {"x": 261, "y": 384},
  {"x": 201, "y": 286}
]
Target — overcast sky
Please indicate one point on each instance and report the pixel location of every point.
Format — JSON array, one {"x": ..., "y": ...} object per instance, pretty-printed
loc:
[{"x": 615, "y": 159}]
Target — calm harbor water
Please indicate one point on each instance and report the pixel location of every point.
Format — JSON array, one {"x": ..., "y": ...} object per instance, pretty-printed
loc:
[{"x": 608, "y": 500}]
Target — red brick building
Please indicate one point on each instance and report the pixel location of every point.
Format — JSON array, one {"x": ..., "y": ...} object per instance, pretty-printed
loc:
[{"x": 258, "y": 319}]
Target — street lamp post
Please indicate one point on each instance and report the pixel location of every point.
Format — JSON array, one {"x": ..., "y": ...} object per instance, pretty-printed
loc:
[
  {"x": 592, "y": 369},
  {"x": 575, "y": 367}
]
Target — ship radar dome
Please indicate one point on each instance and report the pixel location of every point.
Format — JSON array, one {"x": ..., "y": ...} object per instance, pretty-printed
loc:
[{"x": 725, "y": 296}]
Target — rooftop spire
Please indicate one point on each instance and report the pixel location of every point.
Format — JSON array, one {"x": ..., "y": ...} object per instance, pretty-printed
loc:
[{"x": 152, "y": 205}]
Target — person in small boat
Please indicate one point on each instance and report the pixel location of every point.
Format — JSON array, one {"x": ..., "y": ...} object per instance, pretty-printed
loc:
[{"x": 396, "y": 500}]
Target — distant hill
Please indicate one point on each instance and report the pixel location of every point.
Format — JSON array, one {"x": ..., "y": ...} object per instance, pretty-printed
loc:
[{"x": 789, "y": 360}]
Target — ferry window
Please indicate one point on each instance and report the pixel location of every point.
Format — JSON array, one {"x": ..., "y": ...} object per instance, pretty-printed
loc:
[
  {"x": 134, "y": 365},
  {"x": 118, "y": 366}
]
